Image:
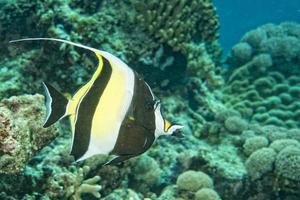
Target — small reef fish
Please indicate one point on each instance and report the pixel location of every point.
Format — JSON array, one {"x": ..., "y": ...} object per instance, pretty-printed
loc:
[{"x": 114, "y": 113}]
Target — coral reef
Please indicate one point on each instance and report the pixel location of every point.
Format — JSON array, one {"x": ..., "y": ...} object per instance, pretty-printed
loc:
[
  {"x": 178, "y": 22},
  {"x": 260, "y": 162},
  {"x": 241, "y": 140},
  {"x": 261, "y": 82},
  {"x": 190, "y": 27},
  {"x": 73, "y": 185},
  {"x": 193, "y": 181},
  {"x": 288, "y": 163},
  {"x": 21, "y": 132},
  {"x": 207, "y": 194}
]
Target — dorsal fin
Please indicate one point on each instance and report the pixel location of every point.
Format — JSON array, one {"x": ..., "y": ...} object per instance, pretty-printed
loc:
[{"x": 57, "y": 40}]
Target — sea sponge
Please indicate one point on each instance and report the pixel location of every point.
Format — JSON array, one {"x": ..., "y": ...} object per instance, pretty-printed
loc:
[
  {"x": 207, "y": 194},
  {"x": 279, "y": 145},
  {"x": 287, "y": 163},
  {"x": 193, "y": 181},
  {"x": 254, "y": 143},
  {"x": 235, "y": 124},
  {"x": 260, "y": 162}
]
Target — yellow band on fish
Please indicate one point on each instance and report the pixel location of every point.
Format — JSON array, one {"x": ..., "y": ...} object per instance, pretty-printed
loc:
[{"x": 167, "y": 125}]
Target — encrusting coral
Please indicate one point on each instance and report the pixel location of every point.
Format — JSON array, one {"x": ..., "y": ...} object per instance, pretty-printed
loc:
[{"x": 21, "y": 131}]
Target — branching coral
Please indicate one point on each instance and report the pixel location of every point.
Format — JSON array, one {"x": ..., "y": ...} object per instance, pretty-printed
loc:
[
  {"x": 73, "y": 185},
  {"x": 178, "y": 22},
  {"x": 187, "y": 26}
]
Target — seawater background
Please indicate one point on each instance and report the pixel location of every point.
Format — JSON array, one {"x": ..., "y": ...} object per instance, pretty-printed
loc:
[{"x": 239, "y": 16}]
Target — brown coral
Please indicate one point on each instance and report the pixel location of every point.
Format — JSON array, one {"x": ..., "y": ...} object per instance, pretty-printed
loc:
[
  {"x": 21, "y": 131},
  {"x": 7, "y": 142}
]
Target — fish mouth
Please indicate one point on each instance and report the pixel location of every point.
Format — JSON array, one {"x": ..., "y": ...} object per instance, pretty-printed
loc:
[{"x": 178, "y": 133}]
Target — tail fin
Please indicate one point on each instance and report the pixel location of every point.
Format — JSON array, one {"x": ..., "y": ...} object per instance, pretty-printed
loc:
[{"x": 56, "y": 105}]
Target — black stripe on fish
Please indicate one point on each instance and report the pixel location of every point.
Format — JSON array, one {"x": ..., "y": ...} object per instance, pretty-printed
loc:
[
  {"x": 137, "y": 132},
  {"x": 86, "y": 110}
]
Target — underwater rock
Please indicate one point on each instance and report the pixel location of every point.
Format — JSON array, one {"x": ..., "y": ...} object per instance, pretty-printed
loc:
[{"x": 21, "y": 131}]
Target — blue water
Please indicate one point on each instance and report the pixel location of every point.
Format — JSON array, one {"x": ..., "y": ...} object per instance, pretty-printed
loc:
[{"x": 239, "y": 16}]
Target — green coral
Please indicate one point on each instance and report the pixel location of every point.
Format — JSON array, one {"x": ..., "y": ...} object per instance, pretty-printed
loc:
[
  {"x": 280, "y": 144},
  {"x": 260, "y": 162},
  {"x": 235, "y": 124},
  {"x": 147, "y": 172},
  {"x": 261, "y": 75},
  {"x": 187, "y": 26},
  {"x": 254, "y": 143},
  {"x": 207, "y": 194},
  {"x": 193, "y": 181},
  {"x": 287, "y": 163}
]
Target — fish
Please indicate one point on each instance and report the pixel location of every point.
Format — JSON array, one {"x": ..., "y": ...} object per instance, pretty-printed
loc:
[{"x": 115, "y": 113}]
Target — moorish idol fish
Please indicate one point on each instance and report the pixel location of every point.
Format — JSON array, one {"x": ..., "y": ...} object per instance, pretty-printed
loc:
[{"x": 114, "y": 113}]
